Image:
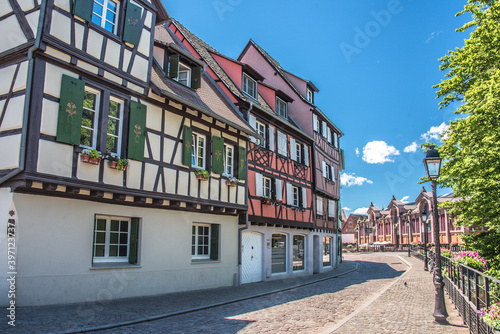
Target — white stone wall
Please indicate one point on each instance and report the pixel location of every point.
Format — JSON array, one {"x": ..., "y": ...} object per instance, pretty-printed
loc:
[{"x": 55, "y": 238}]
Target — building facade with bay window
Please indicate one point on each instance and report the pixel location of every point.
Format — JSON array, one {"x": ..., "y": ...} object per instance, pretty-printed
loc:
[{"x": 124, "y": 161}]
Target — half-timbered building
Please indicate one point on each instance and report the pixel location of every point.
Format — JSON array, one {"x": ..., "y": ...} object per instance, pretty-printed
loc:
[
  {"x": 276, "y": 241},
  {"x": 124, "y": 164},
  {"x": 327, "y": 156}
]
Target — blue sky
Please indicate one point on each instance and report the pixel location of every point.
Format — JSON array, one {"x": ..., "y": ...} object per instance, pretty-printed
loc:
[{"x": 374, "y": 62}]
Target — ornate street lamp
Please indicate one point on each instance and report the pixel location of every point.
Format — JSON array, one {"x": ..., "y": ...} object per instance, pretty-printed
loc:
[
  {"x": 408, "y": 221},
  {"x": 432, "y": 164},
  {"x": 357, "y": 237},
  {"x": 424, "y": 237}
]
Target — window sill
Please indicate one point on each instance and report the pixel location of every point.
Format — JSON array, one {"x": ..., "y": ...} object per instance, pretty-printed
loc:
[
  {"x": 204, "y": 261},
  {"x": 116, "y": 265}
]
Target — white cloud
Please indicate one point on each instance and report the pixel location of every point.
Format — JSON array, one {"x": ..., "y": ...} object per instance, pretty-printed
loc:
[
  {"x": 435, "y": 132},
  {"x": 348, "y": 180},
  {"x": 411, "y": 148},
  {"x": 405, "y": 199},
  {"x": 433, "y": 35},
  {"x": 345, "y": 208},
  {"x": 361, "y": 211},
  {"x": 357, "y": 152},
  {"x": 378, "y": 152}
]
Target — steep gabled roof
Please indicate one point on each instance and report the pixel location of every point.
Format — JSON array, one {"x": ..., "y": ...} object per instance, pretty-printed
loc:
[
  {"x": 283, "y": 73},
  {"x": 206, "y": 52}
]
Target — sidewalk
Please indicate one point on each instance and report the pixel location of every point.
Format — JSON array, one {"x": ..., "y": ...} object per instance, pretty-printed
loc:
[
  {"x": 402, "y": 308},
  {"x": 108, "y": 314}
]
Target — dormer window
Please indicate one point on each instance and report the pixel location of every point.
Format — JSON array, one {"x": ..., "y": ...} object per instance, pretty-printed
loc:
[
  {"x": 187, "y": 75},
  {"x": 249, "y": 86},
  {"x": 309, "y": 95},
  {"x": 105, "y": 14},
  {"x": 281, "y": 108},
  {"x": 184, "y": 75}
]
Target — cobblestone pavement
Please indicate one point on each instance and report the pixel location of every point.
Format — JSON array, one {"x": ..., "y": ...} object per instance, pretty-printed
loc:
[{"x": 372, "y": 299}]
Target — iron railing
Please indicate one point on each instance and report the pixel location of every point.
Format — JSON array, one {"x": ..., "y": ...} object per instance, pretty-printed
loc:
[{"x": 469, "y": 289}]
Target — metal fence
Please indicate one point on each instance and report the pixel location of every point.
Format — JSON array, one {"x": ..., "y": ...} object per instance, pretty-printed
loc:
[{"x": 470, "y": 290}]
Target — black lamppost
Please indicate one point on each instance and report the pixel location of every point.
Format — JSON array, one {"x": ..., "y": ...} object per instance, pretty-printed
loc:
[
  {"x": 432, "y": 164},
  {"x": 357, "y": 237},
  {"x": 424, "y": 237}
]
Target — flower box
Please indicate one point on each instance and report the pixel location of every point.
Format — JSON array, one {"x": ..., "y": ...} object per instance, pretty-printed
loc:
[
  {"x": 117, "y": 163},
  {"x": 267, "y": 201},
  {"x": 91, "y": 156},
  {"x": 201, "y": 177}
]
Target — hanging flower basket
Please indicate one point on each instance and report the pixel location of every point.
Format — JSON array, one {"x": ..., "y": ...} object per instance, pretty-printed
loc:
[{"x": 267, "y": 201}]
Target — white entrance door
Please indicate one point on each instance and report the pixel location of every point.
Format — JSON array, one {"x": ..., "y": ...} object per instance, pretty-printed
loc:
[{"x": 251, "y": 257}]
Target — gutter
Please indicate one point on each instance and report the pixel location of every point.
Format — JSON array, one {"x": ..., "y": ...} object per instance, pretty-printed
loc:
[{"x": 27, "y": 99}]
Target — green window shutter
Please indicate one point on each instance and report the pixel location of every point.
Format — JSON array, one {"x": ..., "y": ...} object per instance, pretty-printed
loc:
[
  {"x": 242, "y": 163},
  {"x": 83, "y": 9},
  {"x": 218, "y": 155},
  {"x": 187, "y": 147},
  {"x": 137, "y": 131},
  {"x": 132, "y": 24},
  {"x": 214, "y": 241},
  {"x": 196, "y": 77},
  {"x": 173, "y": 69},
  {"x": 69, "y": 120},
  {"x": 134, "y": 241}
]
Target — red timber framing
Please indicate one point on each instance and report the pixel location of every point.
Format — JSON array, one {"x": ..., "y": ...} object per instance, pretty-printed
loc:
[{"x": 280, "y": 173}]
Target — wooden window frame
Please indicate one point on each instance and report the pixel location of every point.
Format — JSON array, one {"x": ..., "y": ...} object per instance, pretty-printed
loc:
[
  {"x": 103, "y": 18},
  {"x": 267, "y": 186},
  {"x": 194, "y": 151},
  {"x": 245, "y": 86},
  {"x": 281, "y": 108},
  {"x": 296, "y": 196},
  {"x": 195, "y": 255},
  {"x": 227, "y": 165},
  {"x": 260, "y": 128},
  {"x": 108, "y": 258},
  {"x": 99, "y": 131},
  {"x": 183, "y": 68},
  {"x": 309, "y": 95}
]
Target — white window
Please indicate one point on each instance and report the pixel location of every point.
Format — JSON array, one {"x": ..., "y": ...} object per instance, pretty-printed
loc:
[
  {"x": 295, "y": 196},
  {"x": 90, "y": 133},
  {"x": 309, "y": 95},
  {"x": 323, "y": 129},
  {"x": 266, "y": 187},
  {"x": 105, "y": 14},
  {"x": 114, "y": 132},
  {"x": 298, "y": 252},
  {"x": 200, "y": 241},
  {"x": 282, "y": 144},
  {"x": 281, "y": 107},
  {"x": 298, "y": 150},
  {"x": 228, "y": 161},
  {"x": 249, "y": 86},
  {"x": 319, "y": 205},
  {"x": 198, "y": 151},
  {"x": 111, "y": 239},
  {"x": 260, "y": 128},
  {"x": 184, "y": 75},
  {"x": 328, "y": 171}
]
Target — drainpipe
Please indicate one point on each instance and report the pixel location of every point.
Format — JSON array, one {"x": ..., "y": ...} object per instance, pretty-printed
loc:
[
  {"x": 240, "y": 230},
  {"x": 27, "y": 98}
]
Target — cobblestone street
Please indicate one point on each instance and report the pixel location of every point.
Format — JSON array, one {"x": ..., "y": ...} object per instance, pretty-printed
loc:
[{"x": 372, "y": 299}]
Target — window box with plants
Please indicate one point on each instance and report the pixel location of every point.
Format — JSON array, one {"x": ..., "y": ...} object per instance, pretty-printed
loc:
[
  {"x": 117, "y": 163},
  {"x": 91, "y": 156},
  {"x": 231, "y": 181},
  {"x": 201, "y": 174},
  {"x": 267, "y": 200}
]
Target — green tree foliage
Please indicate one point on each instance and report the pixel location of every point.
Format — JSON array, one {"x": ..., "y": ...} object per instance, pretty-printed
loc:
[{"x": 471, "y": 150}]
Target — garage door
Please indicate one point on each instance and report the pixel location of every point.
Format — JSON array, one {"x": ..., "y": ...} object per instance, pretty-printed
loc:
[{"x": 251, "y": 257}]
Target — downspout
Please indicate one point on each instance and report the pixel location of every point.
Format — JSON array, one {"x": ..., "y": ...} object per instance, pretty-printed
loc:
[
  {"x": 240, "y": 229},
  {"x": 27, "y": 99}
]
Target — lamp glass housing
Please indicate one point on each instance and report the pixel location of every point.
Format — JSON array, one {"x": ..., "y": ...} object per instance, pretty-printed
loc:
[{"x": 433, "y": 167}]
